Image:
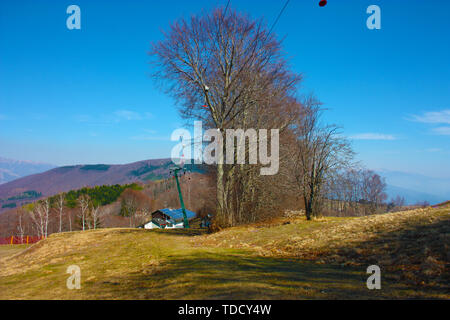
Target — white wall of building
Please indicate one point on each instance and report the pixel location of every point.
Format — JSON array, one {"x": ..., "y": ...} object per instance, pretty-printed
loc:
[{"x": 151, "y": 225}]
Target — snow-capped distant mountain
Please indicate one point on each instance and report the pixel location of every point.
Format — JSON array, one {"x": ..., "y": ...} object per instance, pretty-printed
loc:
[{"x": 13, "y": 169}]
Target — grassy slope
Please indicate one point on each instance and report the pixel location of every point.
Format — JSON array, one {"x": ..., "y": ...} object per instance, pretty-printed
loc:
[
  {"x": 300, "y": 260},
  {"x": 7, "y": 250}
]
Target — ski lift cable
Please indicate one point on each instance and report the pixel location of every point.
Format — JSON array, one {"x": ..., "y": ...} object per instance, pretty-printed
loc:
[
  {"x": 226, "y": 8},
  {"x": 271, "y": 29},
  {"x": 278, "y": 18}
]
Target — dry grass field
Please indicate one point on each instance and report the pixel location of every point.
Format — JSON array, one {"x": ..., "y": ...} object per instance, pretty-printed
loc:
[{"x": 288, "y": 258}]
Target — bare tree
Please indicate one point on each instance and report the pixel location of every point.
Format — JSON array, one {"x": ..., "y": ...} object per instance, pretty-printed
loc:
[
  {"x": 96, "y": 213},
  {"x": 60, "y": 204},
  {"x": 228, "y": 72},
  {"x": 69, "y": 218},
  {"x": 399, "y": 201},
  {"x": 422, "y": 204},
  {"x": 373, "y": 187},
  {"x": 45, "y": 208},
  {"x": 84, "y": 202},
  {"x": 358, "y": 191},
  {"x": 319, "y": 150},
  {"x": 20, "y": 226},
  {"x": 40, "y": 216},
  {"x": 131, "y": 201},
  {"x": 37, "y": 223}
]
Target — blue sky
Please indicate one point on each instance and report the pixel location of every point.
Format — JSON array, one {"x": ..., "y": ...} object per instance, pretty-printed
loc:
[{"x": 85, "y": 96}]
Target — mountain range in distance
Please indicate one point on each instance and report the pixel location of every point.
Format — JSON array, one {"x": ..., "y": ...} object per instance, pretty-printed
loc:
[
  {"x": 30, "y": 181},
  {"x": 14, "y": 169},
  {"x": 416, "y": 187},
  {"x": 63, "y": 179},
  {"x": 413, "y": 197}
]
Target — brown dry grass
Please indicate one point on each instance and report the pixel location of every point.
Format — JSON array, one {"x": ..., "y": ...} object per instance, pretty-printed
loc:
[
  {"x": 414, "y": 245},
  {"x": 8, "y": 250},
  {"x": 287, "y": 258}
]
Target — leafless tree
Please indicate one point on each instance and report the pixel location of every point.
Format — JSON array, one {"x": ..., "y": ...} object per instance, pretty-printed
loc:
[
  {"x": 40, "y": 216},
  {"x": 399, "y": 201},
  {"x": 45, "y": 208},
  {"x": 96, "y": 213},
  {"x": 60, "y": 204},
  {"x": 373, "y": 187},
  {"x": 20, "y": 225},
  {"x": 358, "y": 191},
  {"x": 228, "y": 72},
  {"x": 132, "y": 200},
  {"x": 422, "y": 204},
  {"x": 84, "y": 202},
  {"x": 69, "y": 218},
  {"x": 319, "y": 151}
]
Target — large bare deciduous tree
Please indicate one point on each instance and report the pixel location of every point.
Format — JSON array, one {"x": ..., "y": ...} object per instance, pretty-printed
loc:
[{"x": 229, "y": 72}]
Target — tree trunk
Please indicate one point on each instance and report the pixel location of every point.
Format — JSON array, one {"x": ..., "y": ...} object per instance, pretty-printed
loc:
[
  {"x": 220, "y": 193},
  {"x": 308, "y": 208},
  {"x": 60, "y": 220}
]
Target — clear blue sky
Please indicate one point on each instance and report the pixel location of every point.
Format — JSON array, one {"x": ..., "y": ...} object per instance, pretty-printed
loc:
[{"x": 85, "y": 96}]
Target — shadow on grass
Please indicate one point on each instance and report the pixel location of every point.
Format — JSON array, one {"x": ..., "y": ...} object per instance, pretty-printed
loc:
[
  {"x": 183, "y": 232},
  {"x": 417, "y": 255},
  {"x": 238, "y": 275}
]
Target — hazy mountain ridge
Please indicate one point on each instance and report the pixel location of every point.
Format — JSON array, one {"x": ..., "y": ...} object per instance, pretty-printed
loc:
[
  {"x": 13, "y": 169},
  {"x": 412, "y": 196},
  {"x": 416, "y": 187},
  {"x": 7, "y": 175},
  {"x": 63, "y": 179},
  {"x": 412, "y": 187}
]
